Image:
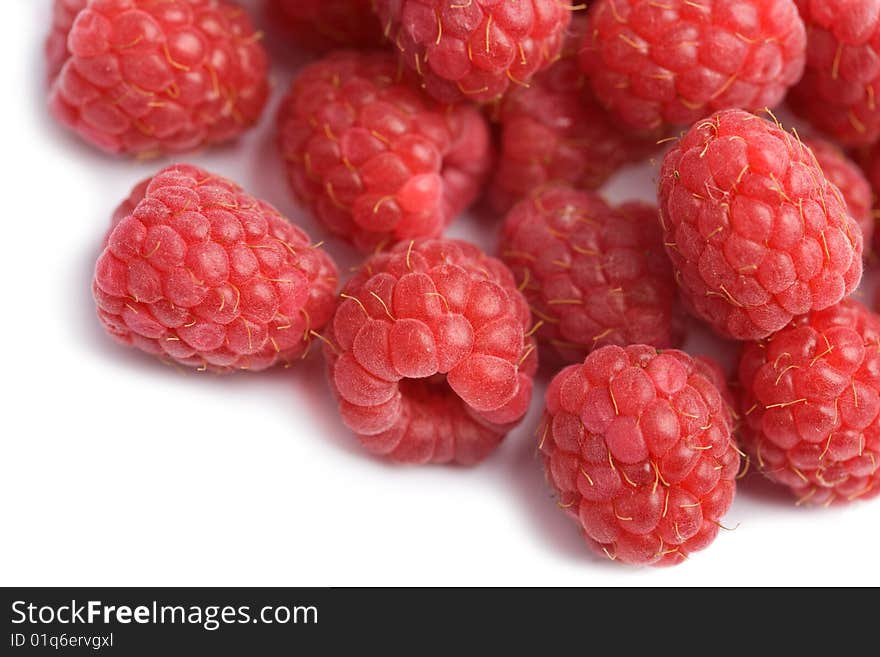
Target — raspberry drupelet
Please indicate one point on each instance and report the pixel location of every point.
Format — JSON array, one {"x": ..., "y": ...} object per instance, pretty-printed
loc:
[
  {"x": 555, "y": 131},
  {"x": 325, "y": 24},
  {"x": 196, "y": 271},
  {"x": 146, "y": 77},
  {"x": 475, "y": 49},
  {"x": 869, "y": 159},
  {"x": 674, "y": 62},
  {"x": 592, "y": 275},
  {"x": 849, "y": 179},
  {"x": 841, "y": 82},
  {"x": 756, "y": 233},
  {"x": 429, "y": 353},
  {"x": 810, "y": 399},
  {"x": 375, "y": 159},
  {"x": 63, "y": 14},
  {"x": 637, "y": 444}
]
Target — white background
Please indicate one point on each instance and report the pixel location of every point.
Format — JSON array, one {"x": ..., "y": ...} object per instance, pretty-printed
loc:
[{"x": 117, "y": 470}]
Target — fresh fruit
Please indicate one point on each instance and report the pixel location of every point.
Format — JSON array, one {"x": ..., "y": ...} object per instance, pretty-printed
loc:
[
  {"x": 756, "y": 233},
  {"x": 869, "y": 160},
  {"x": 196, "y": 271},
  {"x": 474, "y": 49},
  {"x": 637, "y": 444},
  {"x": 372, "y": 157},
  {"x": 810, "y": 404},
  {"x": 674, "y": 62},
  {"x": 838, "y": 89},
  {"x": 592, "y": 275},
  {"x": 849, "y": 179},
  {"x": 429, "y": 353},
  {"x": 555, "y": 131},
  {"x": 146, "y": 77},
  {"x": 326, "y": 24},
  {"x": 64, "y": 12}
]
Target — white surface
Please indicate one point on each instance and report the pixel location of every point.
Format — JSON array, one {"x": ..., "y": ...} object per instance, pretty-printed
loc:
[{"x": 116, "y": 470}]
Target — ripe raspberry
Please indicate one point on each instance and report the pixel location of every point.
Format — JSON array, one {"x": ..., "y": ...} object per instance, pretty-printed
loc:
[
  {"x": 63, "y": 14},
  {"x": 375, "y": 159},
  {"x": 474, "y": 49},
  {"x": 429, "y": 355},
  {"x": 151, "y": 76},
  {"x": 637, "y": 444},
  {"x": 837, "y": 91},
  {"x": 592, "y": 275},
  {"x": 849, "y": 179},
  {"x": 674, "y": 62},
  {"x": 810, "y": 401},
  {"x": 756, "y": 233},
  {"x": 870, "y": 162},
  {"x": 326, "y": 24},
  {"x": 197, "y": 271},
  {"x": 555, "y": 130}
]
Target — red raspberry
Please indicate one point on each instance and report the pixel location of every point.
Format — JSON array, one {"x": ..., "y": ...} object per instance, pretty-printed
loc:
[
  {"x": 592, "y": 275},
  {"x": 326, "y": 24},
  {"x": 429, "y": 353},
  {"x": 151, "y": 76},
  {"x": 849, "y": 179},
  {"x": 375, "y": 159},
  {"x": 756, "y": 233},
  {"x": 674, "y": 62},
  {"x": 554, "y": 130},
  {"x": 637, "y": 444},
  {"x": 810, "y": 401},
  {"x": 474, "y": 49},
  {"x": 837, "y": 91},
  {"x": 197, "y": 271},
  {"x": 63, "y": 14},
  {"x": 870, "y": 161}
]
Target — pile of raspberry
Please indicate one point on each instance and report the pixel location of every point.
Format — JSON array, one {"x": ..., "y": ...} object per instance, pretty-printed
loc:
[{"x": 409, "y": 115}]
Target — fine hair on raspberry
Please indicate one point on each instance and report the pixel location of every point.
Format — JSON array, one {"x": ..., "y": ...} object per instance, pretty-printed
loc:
[
  {"x": 593, "y": 275},
  {"x": 430, "y": 353},
  {"x": 850, "y": 180},
  {"x": 146, "y": 77},
  {"x": 637, "y": 445},
  {"x": 198, "y": 272},
  {"x": 756, "y": 233},
  {"x": 656, "y": 64},
  {"x": 474, "y": 50},
  {"x": 810, "y": 403},
  {"x": 841, "y": 81},
  {"x": 375, "y": 159}
]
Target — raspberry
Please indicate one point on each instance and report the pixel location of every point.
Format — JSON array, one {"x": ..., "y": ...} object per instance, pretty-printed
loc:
[
  {"x": 375, "y": 159},
  {"x": 849, "y": 179},
  {"x": 154, "y": 76},
  {"x": 325, "y": 24},
  {"x": 837, "y": 91},
  {"x": 810, "y": 402},
  {"x": 429, "y": 353},
  {"x": 756, "y": 233},
  {"x": 554, "y": 130},
  {"x": 637, "y": 444},
  {"x": 63, "y": 14},
  {"x": 197, "y": 271},
  {"x": 474, "y": 49},
  {"x": 674, "y": 62},
  {"x": 870, "y": 162},
  {"x": 592, "y": 275}
]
